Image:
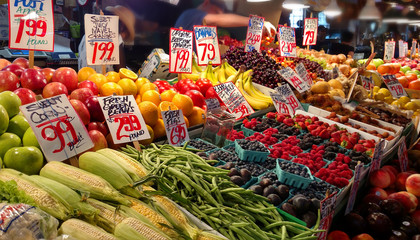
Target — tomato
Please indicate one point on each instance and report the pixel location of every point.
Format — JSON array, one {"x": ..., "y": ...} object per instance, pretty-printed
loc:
[
  {"x": 197, "y": 98},
  {"x": 186, "y": 84},
  {"x": 204, "y": 84}
]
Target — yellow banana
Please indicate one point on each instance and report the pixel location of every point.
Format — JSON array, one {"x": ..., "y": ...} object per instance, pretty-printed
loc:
[
  {"x": 235, "y": 77},
  {"x": 210, "y": 75},
  {"x": 221, "y": 74},
  {"x": 229, "y": 69},
  {"x": 246, "y": 73},
  {"x": 192, "y": 76},
  {"x": 254, "y": 102},
  {"x": 249, "y": 87},
  {"x": 195, "y": 67}
]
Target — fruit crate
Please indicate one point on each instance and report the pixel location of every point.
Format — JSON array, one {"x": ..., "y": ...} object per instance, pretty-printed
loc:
[
  {"x": 247, "y": 132},
  {"x": 250, "y": 156},
  {"x": 230, "y": 147},
  {"x": 293, "y": 179},
  {"x": 209, "y": 145}
]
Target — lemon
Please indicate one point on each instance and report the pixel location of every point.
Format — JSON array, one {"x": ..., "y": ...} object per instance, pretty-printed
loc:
[
  {"x": 410, "y": 106},
  {"x": 385, "y": 92},
  {"x": 404, "y": 100},
  {"x": 396, "y": 103},
  {"x": 379, "y": 96},
  {"x": 389, "y": 99},
  {"x": 417, "y": 102},
  {"x": 376, "y": 89}
]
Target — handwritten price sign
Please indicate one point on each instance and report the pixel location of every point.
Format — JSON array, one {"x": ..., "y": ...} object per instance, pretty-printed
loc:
[
  {"x": 405, "y": 48},
  {"x": 123, "y": 118},
  {"x": 354, "y": 188},
  {"x": 413, "y": 47},
  {"x": 310, "y": 31},
  {"x": 294, "y": 79},
  {"x": 102, "y": 42},
  {"x": 254, "y": 33},
  {"x": 57, "y": 127},
  {"x": 389, "y": 50},
  {"x": 212, "y": 104},
  {"x": 301, "y": 71},
  {"x": 285, "y": 101},
  {"x": 327, "y": 213},
  {"x": 377, "y": 156},
  {"x": 287, "y": 41},
  {"x": 207, "y": 45},
  {"x": 395, "y": 87},
  {"x": 31, "y": 25},
  {"x": 401, "y": 48},
  {"x": 367, "y": 82},
  {"x": 233, "y": 99},
  {"x": 175, "y": 126},
  {"x": 180, "y": 51},
  {"x": 402, "y": 154}
]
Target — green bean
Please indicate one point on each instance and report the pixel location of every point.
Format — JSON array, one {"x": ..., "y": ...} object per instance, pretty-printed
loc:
[
  {"x": 241, "y": 233},
  {"x": 273, "y": 236},
  {"x": 283, "y": 232}
]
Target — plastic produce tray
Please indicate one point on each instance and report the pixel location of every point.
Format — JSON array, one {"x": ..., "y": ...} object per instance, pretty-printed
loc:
[
  {"x": 247, "y": 132},
  {"x": 250, "y": 156},
  {"x": 293, "y": 179}
]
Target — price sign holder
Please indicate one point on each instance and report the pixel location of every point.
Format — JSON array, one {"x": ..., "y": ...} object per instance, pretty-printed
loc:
[
  {"x": 175, "y": 126},
  {"x": 353, "y": 191},
  {"x": 207, "y": 45},
  {"x": 301, "y": 71},
  {"x": 389, "y": 52},
  {"x": 254, "y": 33},
  {"x": 310, "y": 31},
  {"x": 57, "y": 127},
  {"x": 285, "y": 101},
  {"x": 294, "y": 80},
  {"x": 327, "y": 212},
  {"x": 234, "y": 100},
  {"x": 123, "y": 117},
  {"x": 377, "y": 156},
  {"x": 402, "y": 154},
  {"x": 212, "y": 104},
  {"x": 395, "y": 87},
  {"x": 180, "y": 51},
  {"x": 287, "y": 41}
]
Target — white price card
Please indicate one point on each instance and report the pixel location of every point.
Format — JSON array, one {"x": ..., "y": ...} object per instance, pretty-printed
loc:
[
  {"x": 377, "y": 156},
  {"x": 367, "y": 82},
  {"x": 233, "y": 99},
  {"x": 294, "y": 80},
  {"x": 402, "y": 154},
  {"x": 401, "y": 49},
  {"x": 123, "y": 117},
  {"x": 180, "y": 51},
  {"x": 353, "y": 192},
  {"x": 207, "y": 45},
  {"x": 389, "y": 51},
  {"x": 301, "y": 71},
  {"x": 101, "y": 36},
  {"x": 310, "y": 31},
  {"x": 413, "y": 48},
  {"x": 285, "y": 101},
  {"x": 254, "y": 33},
  {"x": 280, "y": 103},
  {"x": 175, "y": 126},
  {"x": 287, "y": 42},
  {"x": 395, "y": 87},
  {"x": 327, "y": 212},
  {"x": 212, "y": 104},
  {"x": 57, "y": 127},
  {"x": 405, "y": 48},
  {"x": 31, "y": 25},
  {"x": 150, "y": 66}
]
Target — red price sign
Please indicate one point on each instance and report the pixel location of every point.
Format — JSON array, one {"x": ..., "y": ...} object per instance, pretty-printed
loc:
[
  {"x": 31, "y": 25},
  {"x": 180, "y": 51},
  {"x": 310, "y": 31},
  {"x": 367, "y": 82},
  {"x": 286, "y": 99},
  {"x": 395, "y": 87},
  {"x": 207, "y": 45},
  {"x": 301, "y": 71},
  {"x": 123, "y": 118},
  {"x": 233, "y": 99},
  {"x": 57, "y": 127},
  {"x": 254, "y": 33},
  {"x": 287, "y": 41},
  {"x": 101, "y": 39},
  {"x": 175, "y": 126},
  {"x": 294, "y": 79}
]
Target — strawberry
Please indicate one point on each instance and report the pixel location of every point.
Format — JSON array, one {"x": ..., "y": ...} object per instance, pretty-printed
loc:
[
  {"x": 312, "y": 127},
  {"x": 353, "y": 140},
  {"x": 289, "y": 122},
  {"x": 271, "y": 115},
  {"x": 359, "y": 148},
  {"x": 325, "y": 134}
]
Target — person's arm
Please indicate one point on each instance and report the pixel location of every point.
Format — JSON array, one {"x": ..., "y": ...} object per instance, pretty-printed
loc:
[
  {"x": 351, "y": 53},
  {"x": 226, "y": 20}
]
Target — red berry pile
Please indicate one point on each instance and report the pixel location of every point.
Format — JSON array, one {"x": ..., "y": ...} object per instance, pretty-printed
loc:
[
  {"x": 250, "y": 124},
  {"x": 286, "y": 148},
  {"x": 337, "y": 174},
  {"x": 232, "y": 135},
  {"x": 313, "y": 159},
  {"x": 266, "y": 137}
]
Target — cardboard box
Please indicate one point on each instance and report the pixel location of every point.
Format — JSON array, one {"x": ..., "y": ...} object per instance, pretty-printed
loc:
[{"x": 156, "y": 66}]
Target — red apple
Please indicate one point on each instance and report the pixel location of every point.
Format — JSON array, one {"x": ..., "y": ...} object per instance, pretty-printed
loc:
[
  {"x": 23, "y": 62},
  {"x": 111, "y": 143},
  {"x": 337, "y": 235},
  {"x": 98, "y": 126},
  {"x": 89, "y": 84},
  {"x": 94, "y": 108},
  {"x": 408, "y": 200},
  {"x": 378, "y": 192},
  {"x": 66, "y": 76},
  {"x": 81, "y": 94},
  {"x": 26, "y": 95},
  {"x": 413, "y": 184},
  {"x": 14, "y": 68},
  {"x": 54, "y": 89},
  {"x": 8, "y": 81},
  {"x": 401, "y": 180},
  {"x": 98, "y": 140},
  {"x": 4, "y": 63},
  {"x": 380, "y": 178},
  {"x": 81, "y": 110},
  {"x": 33, "y": 79},
  {"x": 48, "y": 73},
  {"x": 393, "y": 172}
]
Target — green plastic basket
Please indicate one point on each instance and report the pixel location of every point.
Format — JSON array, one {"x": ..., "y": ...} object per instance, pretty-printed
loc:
[
  {"x": 250, "y": 156},
  {"x": 293, "y": 179},
  {"x": 247, "y": 132}
]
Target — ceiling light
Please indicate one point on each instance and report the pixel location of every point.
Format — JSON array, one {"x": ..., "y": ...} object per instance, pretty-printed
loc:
[
  {"x": 370, "y": 11},
  {"x": 293, "y": 4},
  {"x": 412, "y": 15},
  {"x": 393, "y": 15},
  {"x": 332, "y": 10},
  {"x": 253, "y": 1}
]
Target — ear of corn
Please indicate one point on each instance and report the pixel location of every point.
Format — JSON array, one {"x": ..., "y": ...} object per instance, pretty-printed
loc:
[
  {"x": 133, "y": 229},
  {"x": 81, "y": 230},
  {"x": 134, "y": 214},
  {"x": 106, "y": 168},
  {"x": 66, "y": 195},
  {"x": 83, "y": 181},
  {"x": 42, "y": 198},
  {"x": 202, "y": 235},
  {"x": 108, "y": 216}
]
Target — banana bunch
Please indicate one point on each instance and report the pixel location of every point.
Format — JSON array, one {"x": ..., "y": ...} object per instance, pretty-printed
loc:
[
  {"x": 195, "y": 73},
  {"x": 224, "y": 71},
  {"x": 209, "y": 74},
  {"x": 255, "y": 98}
]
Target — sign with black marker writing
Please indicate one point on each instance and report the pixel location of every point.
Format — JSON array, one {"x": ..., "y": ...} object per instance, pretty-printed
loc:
[
  {"x": 287, "y": 42},
  {"x": 285, "y": 101},
  {"x": 233, "y": 99},
  {"x": 394, "y": 86},
  {"x": 367, "y": 82},
  {"x": 353, "y": 192},
  {"x": 212, "y": 103},
  {"x": 207, "y": 45},
  {"x": 301, "y": 71},
  {"x": 327, "y": 213},
  {"x": 310, "y": 31},
  {"x": 402, "y": 154},
  {"x": 254, "y": 33},
  {"x": 175, "y": 126},
  {"x": 294, "y": 80},
  {"x": 180, "y": 51},
  {"x": 377, "y": 156},
  {"x": 389, "y": 50}
]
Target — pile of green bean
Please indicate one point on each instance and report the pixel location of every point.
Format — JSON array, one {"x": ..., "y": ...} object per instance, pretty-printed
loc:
[{"x": 208, "y": 193}]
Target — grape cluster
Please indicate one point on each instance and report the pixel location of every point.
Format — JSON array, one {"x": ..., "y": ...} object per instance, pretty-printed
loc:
[
  {"x": 263, "y": 66},
  {"x": 313, "y": 67}
]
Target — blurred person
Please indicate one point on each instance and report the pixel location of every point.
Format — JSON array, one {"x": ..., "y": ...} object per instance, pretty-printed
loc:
[
  {"x": 321, "y": 41},
  {"x": 345, "y": 46}
]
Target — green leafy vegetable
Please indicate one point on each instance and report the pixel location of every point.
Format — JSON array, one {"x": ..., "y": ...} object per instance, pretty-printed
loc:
[{"x": 10, "y": 193}]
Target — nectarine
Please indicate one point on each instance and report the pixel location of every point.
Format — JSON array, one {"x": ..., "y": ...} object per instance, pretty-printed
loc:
[
  {"x": 401, "y": 179},
  {"x": 338, "y": 235},
  {"x": 363, "y": 236},
  {"x": 380, "y": 178},
  {"x": 408, "y": 200},
  {"x": 413, "y": 184}
]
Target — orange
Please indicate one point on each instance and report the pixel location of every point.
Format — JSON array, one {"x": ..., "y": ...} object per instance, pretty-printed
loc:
[
  {"x": 168, "y": 95},
  {"x": 110, "y": 88},
  {"x": 127, "y": 73},
  {"x": 148, "y": 86},
  {"x": 98, "y": 79},
  {"x": 371, "y": 66},
  {"x": 112, "y": 76},
  {"x": 187, "y": 122},
  {"x": 159, "y": 129},
  {"x": 149, "y": 111},
  {"x": 411, "y": 77},
  {"x": 403, "y": 80},
  {"x": 84, "y": 73},
  {"x": 198, "y": 116},
  {"x": 152, "y": 96},
  {"x": 138, "y": 98},
  {"x": 384, "y": 68},
  {"x": 149, "y": 140},
  {"x": 165, "y": 106},
  {"x": 128, "y": 86},
  {"x": 414, "y": 85},
  {"x": 139, "y": 83},
  {"x": 184, "y": 103}
]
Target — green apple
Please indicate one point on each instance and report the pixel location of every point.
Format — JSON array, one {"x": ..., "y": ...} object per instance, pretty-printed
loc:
[
  {"x": 7, "y": 141},
  {"x": 4, "y": 120},
  {"x": 11, "y": 102},
  {"x": 1, "y": 163},
  {"x": 18, "y": 125},
  {"x": 29, "y": 139},
  {"x": 405, "y": 69},
  {"x": 28, "y": 160},
  {"x": 417, "y": 72},
  {"x": 377, "y": 62}
]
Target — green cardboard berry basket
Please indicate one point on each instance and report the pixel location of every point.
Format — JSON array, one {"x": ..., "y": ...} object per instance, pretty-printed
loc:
[
  {"x": 250, "y": 156},
  {"x": 293, "y": 179}
]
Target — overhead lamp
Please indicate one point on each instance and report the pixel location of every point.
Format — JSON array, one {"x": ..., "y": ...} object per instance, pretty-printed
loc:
[
  {"x": 294, "y": 4},
  {"x": 332, "y": 10},
  {"x": 370, "y": 11},
  {"x": 393, "y": 15},
  {"x": 254, "y": 1},
  {"x": 412, "y": 15}
]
